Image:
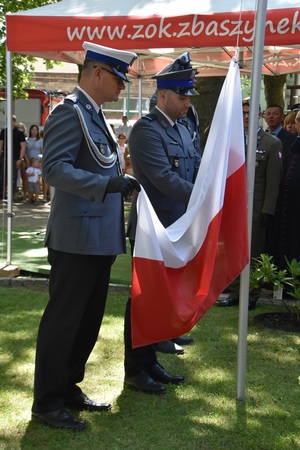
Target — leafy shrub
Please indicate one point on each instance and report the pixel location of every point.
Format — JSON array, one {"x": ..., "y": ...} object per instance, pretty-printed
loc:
[{"x": 265, "y": 275}]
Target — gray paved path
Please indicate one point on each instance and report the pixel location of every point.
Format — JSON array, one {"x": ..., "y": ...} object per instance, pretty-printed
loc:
[
  {"x": 31, "y": 217},
  {"x": 26, "y": 215}
]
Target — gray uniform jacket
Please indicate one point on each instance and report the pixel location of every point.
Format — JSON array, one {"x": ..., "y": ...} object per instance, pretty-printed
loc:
[
  {"x": 166, "y": 163},
  {"x": 83, "y": 218}
]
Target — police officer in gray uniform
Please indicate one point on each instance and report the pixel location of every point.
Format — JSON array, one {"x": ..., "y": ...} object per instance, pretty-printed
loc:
[
  {"x": 165, "y": 162},
  {"x": 191, "y": 122},
  {"x": 85, "y": 232}
]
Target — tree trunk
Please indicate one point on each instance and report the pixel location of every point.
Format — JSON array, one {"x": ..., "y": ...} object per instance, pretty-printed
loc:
[
  {"x": 274, "y": 89},
  {"x": 209, "y": 89}
]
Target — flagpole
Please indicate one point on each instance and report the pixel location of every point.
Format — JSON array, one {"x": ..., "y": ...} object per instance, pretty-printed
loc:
[
  {"x": 256, "y": 73},
  {"x": 9, "y": 156}
]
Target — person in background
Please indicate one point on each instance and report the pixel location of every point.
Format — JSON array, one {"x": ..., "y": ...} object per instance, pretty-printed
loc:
[
  {"x": 166, "y": 163},
  {"x": 268, "y": 172},
  {"x": 286, "y": 239},
  {"x": 274, "y": 116},
  {"x": 33, "y": 173},
  {"x": 289, "y": 122},
  {"x": 22, "y": 170},
  {"x": 34, "y": 143},
  {"x": 121, "y": 139},
  {"x": 125, "y": 127},
  {"x": 128, "y": 166},
  {"x": 85, "y": 232},
  {"x": 22, "y": 127},
  {"x": 34, "y": 146},
  {"x": 18, "y": 155}
]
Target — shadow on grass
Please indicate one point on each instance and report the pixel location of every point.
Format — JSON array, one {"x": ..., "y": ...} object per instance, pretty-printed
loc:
[
  {"x": 200, "y": 414},
  {"x": 30, "y": 255}
]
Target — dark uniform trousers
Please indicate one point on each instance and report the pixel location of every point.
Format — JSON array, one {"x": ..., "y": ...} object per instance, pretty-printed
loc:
[
  {"x": 140, "y": 358},
  {"x": 75, "y": 311}
]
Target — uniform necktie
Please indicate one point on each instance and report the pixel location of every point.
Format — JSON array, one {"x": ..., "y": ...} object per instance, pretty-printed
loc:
[
  {"x": 100, "y": 114},
  {"x": 175, "y": 126}
]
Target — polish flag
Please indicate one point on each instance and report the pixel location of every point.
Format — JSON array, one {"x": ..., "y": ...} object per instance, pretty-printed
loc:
[{"x": 179, "y": 272}]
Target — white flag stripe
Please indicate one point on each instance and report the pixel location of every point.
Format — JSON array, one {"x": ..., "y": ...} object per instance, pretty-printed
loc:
[{"x": 223, "y": 155}]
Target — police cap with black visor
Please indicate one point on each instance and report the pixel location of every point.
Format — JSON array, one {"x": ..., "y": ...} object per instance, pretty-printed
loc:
[{"x": 178, "y": 76}]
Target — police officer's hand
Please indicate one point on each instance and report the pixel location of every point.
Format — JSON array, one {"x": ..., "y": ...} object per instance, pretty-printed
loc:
[
  {"x": 125, "y": 184},
  {"x": 265, "y": 219}
]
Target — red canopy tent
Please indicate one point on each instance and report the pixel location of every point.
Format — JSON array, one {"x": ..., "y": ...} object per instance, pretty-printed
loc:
[{"x": 209, "y": 30}]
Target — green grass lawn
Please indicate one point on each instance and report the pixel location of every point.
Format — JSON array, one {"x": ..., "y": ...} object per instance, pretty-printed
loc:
[
  {"x": 201, "y": 414},
  {"x": 30, "y": 255}
]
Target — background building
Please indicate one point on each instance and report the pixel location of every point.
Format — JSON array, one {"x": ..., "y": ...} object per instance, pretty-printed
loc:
[{"x": 64, "y": 77}]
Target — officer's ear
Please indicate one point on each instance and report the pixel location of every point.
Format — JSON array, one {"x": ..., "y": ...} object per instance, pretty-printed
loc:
[{"x": 162, "y": 94}]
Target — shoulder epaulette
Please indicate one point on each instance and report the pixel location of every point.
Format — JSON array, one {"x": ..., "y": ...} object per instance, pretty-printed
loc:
[
  {"x": 150, "y": 117},
  {"x": 72, "y": 97}
]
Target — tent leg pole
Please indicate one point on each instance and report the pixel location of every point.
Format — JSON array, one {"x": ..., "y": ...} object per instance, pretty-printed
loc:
[
  {"x": 9, "y": 155},
  {"x": 140, "y": 98}
]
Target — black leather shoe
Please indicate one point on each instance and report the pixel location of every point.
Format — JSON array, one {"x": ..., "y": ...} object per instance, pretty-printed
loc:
[
  {"x": 82, "y": 403},
  {"x": 158, "y": 373},
  {"x": 169, "y": 347},
  {"x": 59, "y": 418},
  {"x": 144, "y": 383},
  {"x": 227, "y": 302},
  {"x": 183, "y": 340}
]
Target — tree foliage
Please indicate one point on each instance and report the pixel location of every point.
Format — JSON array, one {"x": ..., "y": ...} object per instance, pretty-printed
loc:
[
  {"x": 274, "y": 89},
  {"x": 22, "y": 66}
]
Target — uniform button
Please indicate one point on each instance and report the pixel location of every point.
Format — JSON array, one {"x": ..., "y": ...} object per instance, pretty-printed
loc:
[{"x": 92, "y": 199}]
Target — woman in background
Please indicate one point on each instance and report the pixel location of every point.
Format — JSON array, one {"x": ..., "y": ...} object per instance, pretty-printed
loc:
[
  {"x": 121, "y": 139},
  {"x": 34, "y": 146},
  {"x": 289, "y": 122},
  {"x": 22, "y": 170}
]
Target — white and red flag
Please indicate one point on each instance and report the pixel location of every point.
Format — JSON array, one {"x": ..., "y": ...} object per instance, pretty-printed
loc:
[{"x": 179, "y": 272}]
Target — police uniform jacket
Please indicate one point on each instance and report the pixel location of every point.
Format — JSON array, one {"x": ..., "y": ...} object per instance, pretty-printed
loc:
[
  {"x": 83, "y": 218},
  {"x": 191, "y": 122},
  {"x": 165, "y": 162}
]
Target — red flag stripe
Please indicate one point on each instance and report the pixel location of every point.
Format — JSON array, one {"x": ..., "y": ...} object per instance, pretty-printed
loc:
[{"x": 169, "y": 302}]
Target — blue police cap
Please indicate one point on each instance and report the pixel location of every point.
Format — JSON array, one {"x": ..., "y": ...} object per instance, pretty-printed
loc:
[
  {"x": 118, "y": 60},
  {"x": 178, "y": 76}
]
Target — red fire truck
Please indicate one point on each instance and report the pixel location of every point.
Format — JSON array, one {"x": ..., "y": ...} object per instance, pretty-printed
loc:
[{"x": 31, "y": 110}]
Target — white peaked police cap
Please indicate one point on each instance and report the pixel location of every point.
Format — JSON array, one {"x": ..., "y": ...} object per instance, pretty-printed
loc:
[{"x": 118, "y": 60}]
